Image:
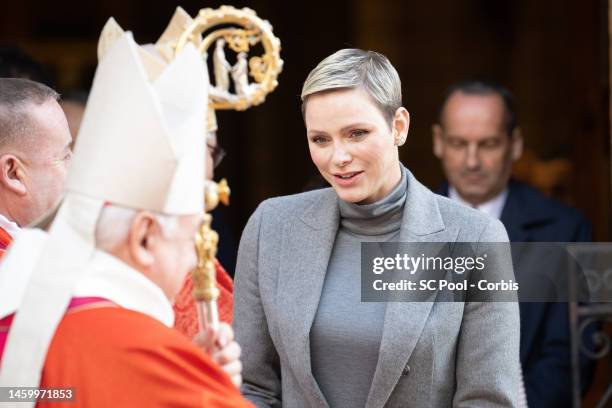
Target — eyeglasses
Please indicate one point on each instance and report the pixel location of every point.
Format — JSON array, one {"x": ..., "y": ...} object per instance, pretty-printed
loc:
[{"x": 217, "y": 153}]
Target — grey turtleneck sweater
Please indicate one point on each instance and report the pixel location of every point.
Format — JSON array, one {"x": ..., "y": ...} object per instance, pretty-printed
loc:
[{"x": 346, "y": 333}]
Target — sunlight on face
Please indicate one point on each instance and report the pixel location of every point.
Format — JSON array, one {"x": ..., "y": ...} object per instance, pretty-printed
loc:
[
  {"x": 47, "y": 160},
  {"x": 352, "y": 145}
]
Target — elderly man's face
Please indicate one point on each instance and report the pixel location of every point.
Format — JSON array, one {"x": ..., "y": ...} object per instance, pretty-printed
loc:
[
  {"x": 174, "y": 254},
  {"x": 474, "y": 146},
  {"x": 45, "y": 160}
]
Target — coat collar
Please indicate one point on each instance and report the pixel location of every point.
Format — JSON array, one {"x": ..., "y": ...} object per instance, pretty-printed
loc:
[
  {"x": 307, "y": 245},
  {"x": 421, "y": 213},
  {"x": 516, "y": 216}
]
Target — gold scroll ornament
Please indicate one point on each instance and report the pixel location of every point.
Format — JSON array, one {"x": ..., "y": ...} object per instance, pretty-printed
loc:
[
  {"x": 241, "y": 31},
  {"x": 246, "y": 31}
]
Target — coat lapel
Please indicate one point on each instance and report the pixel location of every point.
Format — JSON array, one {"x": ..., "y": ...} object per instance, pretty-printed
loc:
[
  {"x": 404, "y": 321},
  {"x": 306, "y": 248},
  {"x": 521, "y": 219},
  {"x": 513, "y": 218}
]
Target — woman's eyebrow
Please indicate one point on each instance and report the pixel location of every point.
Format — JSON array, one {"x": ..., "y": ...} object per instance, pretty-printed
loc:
[
  {"x": 355, "y": 125},
  {"x": 316, "y": 132},
  {"x": 342, "y": 130}
]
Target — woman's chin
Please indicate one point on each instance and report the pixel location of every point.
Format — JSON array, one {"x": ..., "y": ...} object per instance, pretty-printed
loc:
[{"x": 349, "y": 196}]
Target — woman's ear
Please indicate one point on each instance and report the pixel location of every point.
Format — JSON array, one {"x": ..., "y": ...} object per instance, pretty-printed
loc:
[
  {"x": 12, "y": 174},
  {"x": 141, "y": 239},
  {"x": 401, "y": 123}
]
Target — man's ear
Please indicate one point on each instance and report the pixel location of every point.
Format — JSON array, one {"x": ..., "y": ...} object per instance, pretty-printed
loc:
[
  {"x": 143, "y": 233},
  {"x": 12, "y": 174},
  {"x": 438, "y": 143},
  {"x": 517, "y": 144}
]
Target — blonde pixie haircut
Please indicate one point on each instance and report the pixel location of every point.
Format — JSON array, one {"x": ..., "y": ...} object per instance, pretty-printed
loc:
[{"x": 355, "y": 68}]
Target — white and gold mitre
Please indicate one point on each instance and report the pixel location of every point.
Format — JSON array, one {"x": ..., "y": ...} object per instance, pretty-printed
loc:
[
  {"x": 155, "y": 57},
  {"x": 140, "y": 143}
]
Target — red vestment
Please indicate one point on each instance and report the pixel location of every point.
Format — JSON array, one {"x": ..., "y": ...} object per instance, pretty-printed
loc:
[
  {"x": 5, "y": 241},
  {"x": 115, "y": 357},
  {"x": 186, "y": 319}
]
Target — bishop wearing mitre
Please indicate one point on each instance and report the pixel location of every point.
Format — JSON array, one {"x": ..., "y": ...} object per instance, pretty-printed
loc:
[{"x": 87, "y": 306}]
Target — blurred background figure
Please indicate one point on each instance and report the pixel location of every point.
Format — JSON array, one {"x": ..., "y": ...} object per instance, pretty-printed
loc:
[{"x": 477, "y": 139}]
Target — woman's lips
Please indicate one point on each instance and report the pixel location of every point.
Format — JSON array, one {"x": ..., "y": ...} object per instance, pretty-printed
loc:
[{"x": 347, "y": 179}]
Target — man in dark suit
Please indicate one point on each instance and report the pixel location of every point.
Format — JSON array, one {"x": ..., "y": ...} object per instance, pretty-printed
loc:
[{"x": 477, "y": 139}]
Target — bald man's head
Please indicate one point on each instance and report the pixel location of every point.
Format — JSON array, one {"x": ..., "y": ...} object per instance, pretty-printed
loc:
[{"x": 17, "y": 97}]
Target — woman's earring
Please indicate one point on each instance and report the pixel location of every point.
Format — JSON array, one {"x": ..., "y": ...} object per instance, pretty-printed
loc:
[{"x": 400, "y": 139}]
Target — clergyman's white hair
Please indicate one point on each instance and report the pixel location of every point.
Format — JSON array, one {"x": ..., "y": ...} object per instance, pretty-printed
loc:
[{"x": 115, "y": 221}]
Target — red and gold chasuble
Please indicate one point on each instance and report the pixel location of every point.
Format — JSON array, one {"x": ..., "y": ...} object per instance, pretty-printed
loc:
[{"x": 186, "y": 319}]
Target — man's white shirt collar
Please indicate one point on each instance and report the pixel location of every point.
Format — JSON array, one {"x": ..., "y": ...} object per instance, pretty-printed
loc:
[
  {"x": 9, "y": 226},
  {"x": 493, "y": 207}
]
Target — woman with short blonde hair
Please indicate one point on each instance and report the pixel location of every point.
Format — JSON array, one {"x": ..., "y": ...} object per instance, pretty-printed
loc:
[{"x": 308, "y": 340}]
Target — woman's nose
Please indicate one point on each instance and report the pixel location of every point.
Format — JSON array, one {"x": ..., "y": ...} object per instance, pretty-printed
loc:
[{"x": 341, "y": 156}]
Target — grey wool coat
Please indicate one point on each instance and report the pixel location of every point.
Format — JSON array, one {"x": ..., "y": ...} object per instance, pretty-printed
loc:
[{"x": 432, "y": 354}]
